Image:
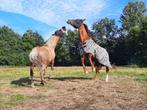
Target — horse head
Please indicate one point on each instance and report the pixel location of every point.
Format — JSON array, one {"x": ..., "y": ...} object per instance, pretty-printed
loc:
[
  {"x": 61, "y": 32},
  {"x": 76, "y": 23}
]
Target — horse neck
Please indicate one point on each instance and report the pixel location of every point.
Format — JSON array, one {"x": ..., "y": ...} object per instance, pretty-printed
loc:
[
  {"x": 83, "y": 33},
  {"x": 53, "y": 42}
]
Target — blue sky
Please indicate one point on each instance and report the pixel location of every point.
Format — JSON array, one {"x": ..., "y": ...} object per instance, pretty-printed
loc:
[{"x": 45, "y": 16}]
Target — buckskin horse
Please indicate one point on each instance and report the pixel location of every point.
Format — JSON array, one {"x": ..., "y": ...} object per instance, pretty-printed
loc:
[
  {"x": 42, "y": 56},
  {"x": 90, "y": 47}
]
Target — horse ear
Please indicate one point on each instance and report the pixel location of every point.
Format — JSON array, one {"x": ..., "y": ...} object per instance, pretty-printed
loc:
[
  {"x": 64, "y": 28},
  {"x": 83, "y": 19}
]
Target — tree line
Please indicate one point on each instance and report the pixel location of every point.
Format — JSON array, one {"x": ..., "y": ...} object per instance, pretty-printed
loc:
[{"x": 126, "y": 44}]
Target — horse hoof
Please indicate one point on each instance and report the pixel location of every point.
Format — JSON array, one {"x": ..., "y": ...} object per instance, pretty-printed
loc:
[
  {"x": 86, "y": 72},
  {"x": 32, "y": 85},
  {"x": 94, "y": 79},
  {"x": 42, "y": 83},
  {"x": 52, "y": 69},
  {"x": 93, "y": 70},
  {"x": 107, "y": 78}
]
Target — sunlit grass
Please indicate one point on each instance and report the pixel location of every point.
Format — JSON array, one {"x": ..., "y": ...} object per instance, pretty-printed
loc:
[
  {"x": 15, "y": 73},
  {"x": 139, "y": 74}
]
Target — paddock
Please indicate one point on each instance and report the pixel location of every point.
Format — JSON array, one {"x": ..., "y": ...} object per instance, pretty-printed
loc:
[{"x": 68, "y": 88}]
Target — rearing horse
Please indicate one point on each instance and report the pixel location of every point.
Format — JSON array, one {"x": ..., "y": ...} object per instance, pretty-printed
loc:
[
  {"x": 42, "y": 56},
  {"x": 90, "y": 47}
]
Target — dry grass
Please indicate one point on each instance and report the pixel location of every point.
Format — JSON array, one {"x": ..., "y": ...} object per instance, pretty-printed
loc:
[{"x": 69, "y": 89}]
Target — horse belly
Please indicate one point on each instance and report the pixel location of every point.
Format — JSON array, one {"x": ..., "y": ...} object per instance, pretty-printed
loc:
[{"x": 45, "y": 57}]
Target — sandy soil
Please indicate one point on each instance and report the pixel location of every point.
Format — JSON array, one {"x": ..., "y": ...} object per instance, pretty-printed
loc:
[{"x": 86, "y": 94}]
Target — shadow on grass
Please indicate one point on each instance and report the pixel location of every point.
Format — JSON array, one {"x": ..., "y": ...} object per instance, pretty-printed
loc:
[
  {"x": 69, "y": 78},
  {"x": 22, "y": 82},
  {"x": 26, "y": 82}
]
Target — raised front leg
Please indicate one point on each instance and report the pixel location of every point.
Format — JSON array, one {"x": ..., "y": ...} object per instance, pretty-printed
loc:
[
  {"x": 83, "y": 63},
  {"x": 90, "y": 57}
]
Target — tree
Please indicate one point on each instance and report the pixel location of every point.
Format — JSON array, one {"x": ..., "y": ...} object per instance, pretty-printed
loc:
[
  {"x": 10, "y": 46},
  {"x": 30, "y": 39},
  {"x": 143, "y": 43},
  {"x": 67, "y": 51},
  {"x": 133, "y": 13},
  {"x": 132, "y": 23},
  {"x": 14, "y": 49},
  {"x": 136, "y": 43},
  {"x": 105, "y": 33}
]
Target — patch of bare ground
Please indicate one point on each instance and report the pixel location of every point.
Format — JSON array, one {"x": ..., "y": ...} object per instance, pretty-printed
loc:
[{"x": 79, "y": 94}]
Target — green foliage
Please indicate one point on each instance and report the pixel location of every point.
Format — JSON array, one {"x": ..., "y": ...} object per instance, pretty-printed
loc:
[
  {"x": 105, "y": 28},
  {"x": 137, "y": 43},
  {"x": 133, "y": 22},
  {"x": 10, "y": 42},
  {"x": 31, "y": 39},
  {"x": 67, "y": 51},
  {"x": 106, "y": 34},
  {"x": 133, "y": 13},
  {"x": 14, "y": 49}
]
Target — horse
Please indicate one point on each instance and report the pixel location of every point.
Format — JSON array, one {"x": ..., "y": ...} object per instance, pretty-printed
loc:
[
  {"x": 90, "y": 47},
  {"x": 42, "y": 56},
  {"x": 84, "y": 54},
  {"x": 90, "y": 58}
]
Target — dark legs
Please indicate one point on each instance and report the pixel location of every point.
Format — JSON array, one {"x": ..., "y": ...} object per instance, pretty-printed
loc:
[
  {"x": 90, "y": 57},
  {"x": 97, "y": 72},
  {"x": 32, "y": 72},
  {"x": 83, "y": 63},
  {"x": 91, "y": 62}
]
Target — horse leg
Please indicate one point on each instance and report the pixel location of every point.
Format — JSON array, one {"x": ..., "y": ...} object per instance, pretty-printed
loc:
[
  {"x": 32, "y": 72},
  {"x": 42, "y": 73},
  {"x": 83, "y": 63},
  {"x": 97, "y": 71},
  {"x": 107, "y": 77},
  {"x": 91, "y": 62},
  {"x": 52, "y": 65}
]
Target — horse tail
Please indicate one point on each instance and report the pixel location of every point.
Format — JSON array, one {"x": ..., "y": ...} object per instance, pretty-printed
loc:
[{"x": 33, "y": 59}]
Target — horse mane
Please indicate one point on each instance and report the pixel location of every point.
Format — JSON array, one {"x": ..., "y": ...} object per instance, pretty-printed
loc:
[
  {"x": 49, "y": 40},
  {"x": 87, "y": 30}
]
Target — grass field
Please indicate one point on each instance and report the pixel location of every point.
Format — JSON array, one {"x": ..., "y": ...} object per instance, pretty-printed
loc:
[{"x": 16, "y": 92}]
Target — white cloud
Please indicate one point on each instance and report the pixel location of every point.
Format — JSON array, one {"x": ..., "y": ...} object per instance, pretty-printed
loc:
[{"x": 54, "y": 12}]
